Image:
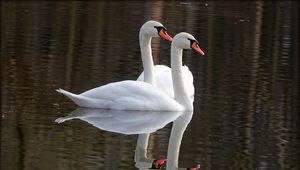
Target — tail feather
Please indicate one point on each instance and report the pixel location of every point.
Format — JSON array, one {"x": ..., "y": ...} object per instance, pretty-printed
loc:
[
  {"x": 83, "y": 101},
  {"x": 74, "y": 97}
]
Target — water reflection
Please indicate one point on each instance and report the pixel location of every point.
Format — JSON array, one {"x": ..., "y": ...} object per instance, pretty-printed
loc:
[
  {"x": 141, "y": 123},
  {"x": 124, "y": 122}
]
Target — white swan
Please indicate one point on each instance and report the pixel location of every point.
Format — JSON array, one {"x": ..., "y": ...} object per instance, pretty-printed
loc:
[
  {"x": 159, "y": 75},
  {"x": 136, "y": 95}
]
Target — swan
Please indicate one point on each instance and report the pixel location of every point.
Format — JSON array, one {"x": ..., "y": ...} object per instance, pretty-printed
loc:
[
  {"x": 159, "y": 75},
  {"x": 138, "y": 95}
]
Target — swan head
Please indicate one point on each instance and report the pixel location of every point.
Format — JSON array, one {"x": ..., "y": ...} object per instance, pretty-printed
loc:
[
  {"x": 185, "y": 40},
  {"x": 155, "y": 29}
]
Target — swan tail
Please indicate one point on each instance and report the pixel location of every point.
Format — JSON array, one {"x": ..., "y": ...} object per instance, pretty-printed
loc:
[
  {"x": 84, "y": 101},
  {"x": 68, "y": 94},
  {"x": 77, "y": 99}
]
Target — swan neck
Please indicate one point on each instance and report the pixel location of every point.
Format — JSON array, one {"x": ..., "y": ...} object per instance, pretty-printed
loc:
[
  {"x": 180, "y": 92},
  {"x": 146, "y": 52}
]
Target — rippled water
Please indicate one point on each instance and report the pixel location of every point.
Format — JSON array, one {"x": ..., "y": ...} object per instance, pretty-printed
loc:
[{"x": 246, "y": 103}]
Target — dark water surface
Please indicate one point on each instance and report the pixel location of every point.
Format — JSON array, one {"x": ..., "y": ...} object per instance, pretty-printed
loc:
[{"x": 246, "y": 101}]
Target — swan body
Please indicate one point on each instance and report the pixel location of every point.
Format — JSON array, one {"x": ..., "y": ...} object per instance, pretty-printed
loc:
[
  {"x": 125, "y": 95},
  {"x": 163, "y": 79},
  {"x": 137, "y": 95}
]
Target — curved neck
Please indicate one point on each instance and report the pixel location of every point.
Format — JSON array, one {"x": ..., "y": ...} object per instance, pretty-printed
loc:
[
  {"x": 145, "y": 46},
  {"x": 180, "y": 93}
]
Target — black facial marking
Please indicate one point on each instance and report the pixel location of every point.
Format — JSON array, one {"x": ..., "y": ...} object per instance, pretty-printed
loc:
[
  {"x": 159, "y": 28},
  {"x": 192, "y": 41}
]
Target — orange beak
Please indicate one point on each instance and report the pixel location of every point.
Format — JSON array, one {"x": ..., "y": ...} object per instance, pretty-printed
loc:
[
  {"x": 163, "y": 33},
  {"x": 197, "y": 48}
]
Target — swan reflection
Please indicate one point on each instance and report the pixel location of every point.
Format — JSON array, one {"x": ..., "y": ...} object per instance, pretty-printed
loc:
[
  {"x": 124, "y": 122},
  {"x": 179, "y": 126},
  {"x": 138, "y": 122}
]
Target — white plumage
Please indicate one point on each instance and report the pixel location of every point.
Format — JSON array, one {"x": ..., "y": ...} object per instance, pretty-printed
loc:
[{"x": 137, "y": 95}]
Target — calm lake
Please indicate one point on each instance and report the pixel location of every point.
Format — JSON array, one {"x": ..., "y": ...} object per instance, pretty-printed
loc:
[{"x": 246, "y": 111}]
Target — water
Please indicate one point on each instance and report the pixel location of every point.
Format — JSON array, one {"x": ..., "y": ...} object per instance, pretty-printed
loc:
[{"x": 246, "y": 104}]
